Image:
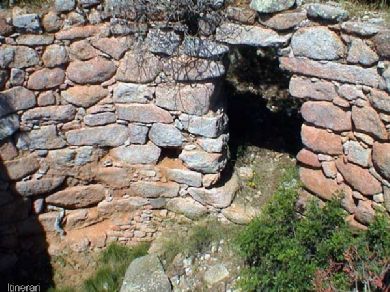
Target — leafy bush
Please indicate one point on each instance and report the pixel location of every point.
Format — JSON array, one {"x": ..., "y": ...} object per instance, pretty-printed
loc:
[{"x": 317, "y": 252}]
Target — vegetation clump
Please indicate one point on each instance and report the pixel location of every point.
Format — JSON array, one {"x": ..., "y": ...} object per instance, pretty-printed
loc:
[{"x": 317, "y": 251}]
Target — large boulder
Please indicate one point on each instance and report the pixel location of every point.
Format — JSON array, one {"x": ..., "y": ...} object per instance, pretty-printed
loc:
[{"x": 146, "y": 274}]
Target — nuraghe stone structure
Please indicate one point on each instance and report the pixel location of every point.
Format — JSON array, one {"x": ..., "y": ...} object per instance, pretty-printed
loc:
[{"x": 110, "y": 126}]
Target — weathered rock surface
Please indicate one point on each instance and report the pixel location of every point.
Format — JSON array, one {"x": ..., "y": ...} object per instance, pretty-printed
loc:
[
  {"x": 319, "y": 140},
  {"x": 356, "y": 153},
  {"x": 165, "y": 135},
  {"x": 215, "y": 274},
  {"x": 19, "y": 168},
  {"x": 46, "y": 79},
  {"x": 317, "y": 90},
  {"x": 78, "y": 32},
  {"x": 138, "y": 134},
  {"x": 132, "y": 93},
  {"x": 188, "y": 177},
  {"x": 382, "y": 43},
  {"x": 283, "y": 21},
  {"x": 161, "y": 42},
  {"x": 196, "y": 47},
  {"x": 34, "y": 40},
  {"x": 155, "y": 189},
  {"x": 57, "y": 113},
  {"x": 15, "y": 99},
  {"x": 214, "y": 145},
  {"x": 82, "y": 50},
  {"x": 84, "y": 96},
  {"x": 188, "y": 207},
  {"x": 271, "y": 6},
  {"x": 381, "y": 158},
  {"x": 367, "y": 120},
  {"x": 44, "y": 138},
  {"x": 308, "y": 158},
  {"x": 360, "y": 53},
  {"x": 202, "y": 161},
  {"x": 137, "y": 154},
  {"x": 27, "y": 22},
  {"x": 316, "y": 182},
  {"x": 55, "y": 55},
  {"x": 327, "y": 12},
  {"x": 38, "y": 187},
  {"x": 146, "y": 274},
  {"x": 23, "y": 57},
  {"x": 380, "y": 100},
  {"x": 111, "y": 135},
  {"x": 94, "y": 71},
  {"x": 115, "y": 47},
  {"x": 184, "y": 69},
  {"x": 364, "y": 212},
  {"x": 78, "y": 197},
  {"x": 239, "y": 214},
  {"x": 143, "y": 113},
  {"x": 100, "y": 119},
  {"x": 207, "y": 126},
  {"x": 113, "y": 176}
]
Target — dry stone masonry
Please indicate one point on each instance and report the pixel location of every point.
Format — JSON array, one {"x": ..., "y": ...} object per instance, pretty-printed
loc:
[{"x": 122, "y": 124}]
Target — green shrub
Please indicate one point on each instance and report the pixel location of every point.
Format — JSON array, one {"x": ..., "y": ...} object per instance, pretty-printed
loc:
[{"x": 285, "y": 252}]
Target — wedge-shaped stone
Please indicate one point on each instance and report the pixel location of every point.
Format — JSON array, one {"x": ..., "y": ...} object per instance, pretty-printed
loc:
[
  {"x": 15, "y": 99},
  {"x": 188, "y": 207},
  {"x": 44, "y": 138},
  {"x": 37, "y": 187},
  {"x": 111, "y": 135},
  {"x": 321, "y": 141},
  {"x": 94, "y": 71},
  {"x": 316, "y": 90},
  {"x": 19, "y": 168},
  {"x": 46, "y": 79},
  {"x": 56, "y": 113},
  {"x": 192, "y": 99},
  {"x": 137, "y": 154},
  {"x": 203, "y": 161},
  {"x": 256, "y": 36},
  {"x": 78, "y": 197},
  {"x": 143, "y": 113},
  {"x": 84, "y": 96},
  {"x": 367, "y": 120},
  {"x": 359, "y": 178},
  {"x": 155, "y": 189},
  {"x": 207, "y": 126},
  {"x": 345, "y": 73}
]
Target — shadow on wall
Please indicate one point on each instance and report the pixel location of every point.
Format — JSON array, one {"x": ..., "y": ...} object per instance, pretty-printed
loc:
[
  {"x": 24, "y": 259},
  {"x": 261, "y": 111}
]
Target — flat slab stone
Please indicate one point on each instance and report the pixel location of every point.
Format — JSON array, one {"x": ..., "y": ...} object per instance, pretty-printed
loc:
[
  {"x": 187, "y": 206},
  {"x": 155, "y": 189},
  {"x": 316, "y": 182},
  {"x": 203, "y": 161},
  {"x": 271, "y": 6},
  {"x": 315, "y": 90},
  {"x": 182, "y": 176},
  {"x": 137, "y": 154},
  {"x": 207, "y": 126},
  {"x": 143, "y": 113},
  {"x": 132, "y": 93},
  {"x": 78, "y": 32},
  {"x": 111, "y": 135},
  {"x": 45, "y": 137},
  {"x": 37, "y": 187},
  {"x": 46, "y": 79},
  {"x": 56, "y": 113},
  {"x": 319, "y": 140}
]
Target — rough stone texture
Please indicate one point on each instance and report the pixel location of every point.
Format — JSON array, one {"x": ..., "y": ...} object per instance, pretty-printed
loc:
[
  {"x": 100, "y": 119},
  {"x": 27, "y": 22},
  {"x": 345, "y": 73},
  {"x": 51, "y": 22},
  {"x": 44, "y": 138},
  {"x": 82, "y": 50},
  {"x": 325, "y": 115},
  {"x": 239, "y": 214},
  {"x": 55, "y": 55},
  {"x": 143, "y": 113},
  {"x": 215, "y": 274},
  {"x": 356, "y": 153},
  {"x": 207, "y": 126},
  {"x": 93, "y": 71},
  {"x": 161, "y": 42},
  {"x": 219, "y": 197},
  {"x": 191, "y": 99},
  {"x": 360, "y": 53},
  {"x": 138, "y": 68},
  {"x": 202, "y": 161},
  {"x": 37, "y": 187},
  {"x": 308, "y": 158},
  {"x": 382, "y": 43},
  {"x": 386, "y": 196},
  {"x": 327, "y": 12},
  {"x": 367, "y": 120},
  {"x": 113, "y": 176},
  {"x": 111, "y": 135},
  {"x": 16, "y": 77},
  {"x": 146, "y": 274},
  {"x": 317, "y": 90},
  {"x": 46, "y": 79},
  {"x": 235, "y": 34},
  {"x": 155, "y": 189},
  {"x": 5, "y": 28},
  {"x": 188, "y": 177},
  {"x": 364, "y": 212},
  {"x": 138, "y": 134},
  {"x": 137, "y": 154},
  {"x": 57, "y": 113},
  {"x": 34, "y": 40},
  {"x": 214, "y": 145},
  {"x": 241, "y": 14},
  {"x": 316, "y": 182},
  {"x": 84, "y": 96},
  {"x": 8, "y": 150},
  {"x": 132, "y": 93},
  {"x": 112, "y": 46},
  {"x": 359, "y": 178},
  {"x": 78, "y": 32},
  {"x": 319, "y": 140},
  {"x": 364, "y": 29},
  {"x": 318, "y": 43},
  {"x": 386, "y": 76},
  {"x": 8, "y": 126},
  {"x": 284, "y": 21},
  {"x": 78, "y": 197},
  {"x": 196, "y": 47},
  {"x": 64, "y": 5},
  {"x": 19, "y": 168},
  {"x": 16, "y": 99},
  {"x": 381, "y": 158},
  {"x": 165, "y": 135},
  {"x": 188, "y": 207},
  {"x": 23, "y": 57},
  {"x": 380, "y": 100},
  {"x": 271, "y": 6},
  {"x": 350, "y": 92}
]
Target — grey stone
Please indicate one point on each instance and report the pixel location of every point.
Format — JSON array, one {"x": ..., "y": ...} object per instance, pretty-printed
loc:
[
  {"x": 34, "y": 40},
  {"x": 196, "y": 47},
  {"x": 146, "y": 274},
  {"x": 350, "y": 92},
  {"x": 44, "y": 138},
  {"x": 8, "y": 126},
  {"x": 71, "y": 157},
  {"x": 165, "y": 135},
  {"x": 15, "y": 99},
  {"x": 111, "y": 135},
  {"x": 382, "y": 45},
  {"x": 155, "y": 189},
  {"x": 6, "y": 56},
  {"x": 271, "y": 6},
  {"x": 386, "y": 76},
  {"x": 356, "y": 153},
  {"x": 216, "y": 274},
  {"x": 360, "y": 53},
  {"x": 55, "y": 55},
  {"x": 56, "y": 113},
  {"x": 99, "y": 119},
  {"x": 27, "y": 22},
  {"x": 16, "y": 77},
  {"x": 24, "y": 57},
  {"x": 381, "y": 158},
  {"x": 219, "y": 197},
  {"x": 360, "y": 28},
  {"x": 236, "y": 34},
  {"x": 386, "y": 197},
  {"x": 214, "y": 145},
  {"x": 203, "y": 161},
  {"x": 88, "y": 3},
  {"x": 137, "y": 154},
  {"x": 132, "y": 93},
  {"x": 364, "y": 213},
  {"x": 308, "y": 89},
  {"x": 158, "y": 203},
  {"x": 143, "y": 113},
  {"x": 380, "y": 100},
  {"x": 188, "y": 207},
  {"x": 121, "y": 205},
  {"x": 318, "y": 43},
  {"x": 138, "y": 134},
  {"x": 207, "y": 126},
  {"x": 188, "y": 177},
  {"x": 161, "y": 42},
  {"x": 64, "y": 5},
  {"x": 38, "y": 187},
  {"x": 327, "y": 12},
  {"x": 115, "y": 46},
  {"x": 194, "y": 99}
]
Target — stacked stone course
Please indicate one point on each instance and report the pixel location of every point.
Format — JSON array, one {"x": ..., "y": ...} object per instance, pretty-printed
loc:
[{"x": 93, "y": 106}]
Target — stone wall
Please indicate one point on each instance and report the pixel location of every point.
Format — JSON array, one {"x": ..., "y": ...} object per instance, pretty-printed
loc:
[{"x": 110, "y": 127}]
